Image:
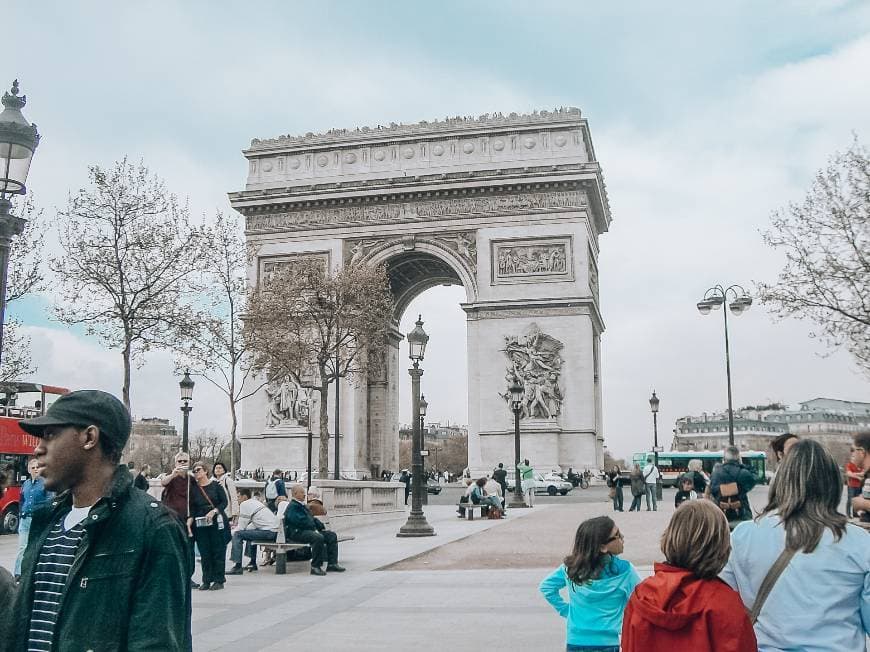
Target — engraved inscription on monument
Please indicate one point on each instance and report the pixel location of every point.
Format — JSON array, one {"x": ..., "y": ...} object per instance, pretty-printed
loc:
[{"x": 523, "y": 261}]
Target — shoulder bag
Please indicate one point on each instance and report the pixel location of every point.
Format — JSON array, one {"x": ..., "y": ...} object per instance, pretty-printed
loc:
[
  {"x": 220, "y": 518},
  {"x": 769, "y": 580}
]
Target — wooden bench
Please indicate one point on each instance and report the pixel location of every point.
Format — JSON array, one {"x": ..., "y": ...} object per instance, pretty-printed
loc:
[
  {"x": 281, "y": 546},
  {"x": 470, "y": 507}
]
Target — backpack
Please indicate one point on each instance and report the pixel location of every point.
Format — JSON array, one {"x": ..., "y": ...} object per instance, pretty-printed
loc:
[
  {"x": 272, "y": 490},
  {"x": 728, "y": 500}
]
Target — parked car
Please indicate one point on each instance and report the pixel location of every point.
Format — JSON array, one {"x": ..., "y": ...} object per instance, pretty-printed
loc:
[
  {"x": 551, "y": 484},
  {"x": 432, "y": 487}
]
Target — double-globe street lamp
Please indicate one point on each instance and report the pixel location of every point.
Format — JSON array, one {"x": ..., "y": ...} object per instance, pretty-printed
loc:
[
  {"x": 739, "y": 302},
  {"x": 186, "y": 385},
  {"x": 654, "y": 408},
  {"x": 18, "y": 141},
  {"x": 517, "y": 391},
  {"x": 416, "y": 526}
]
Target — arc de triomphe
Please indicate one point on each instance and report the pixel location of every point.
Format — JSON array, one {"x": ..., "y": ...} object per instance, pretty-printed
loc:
[{"x": 508, "y": 206}]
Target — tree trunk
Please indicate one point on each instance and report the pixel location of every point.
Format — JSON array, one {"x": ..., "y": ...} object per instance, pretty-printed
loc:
[
  {"x": 125, "y": 391},
  {"x": 323, "y": 454},
  {"x": 234, "y": 420}
]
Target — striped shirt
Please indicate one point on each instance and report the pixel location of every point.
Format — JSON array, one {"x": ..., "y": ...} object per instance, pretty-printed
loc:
[{"x": 52, "y": 569}]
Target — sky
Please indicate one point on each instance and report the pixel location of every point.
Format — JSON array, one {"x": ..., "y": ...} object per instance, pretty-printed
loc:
[{"x": 705, "y": 118}]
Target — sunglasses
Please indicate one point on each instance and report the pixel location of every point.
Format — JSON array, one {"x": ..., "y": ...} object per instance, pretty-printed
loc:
[
  {"x": 618, "y": 535},
  {"x": 198, "y": 469}
]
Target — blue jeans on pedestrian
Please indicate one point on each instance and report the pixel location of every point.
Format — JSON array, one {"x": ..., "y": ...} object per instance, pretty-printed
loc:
[
  {"x": 851, "y": 492},
  {"x": 23, "y": 537},
  {"x": 591, "y": 648},
  {"x": 651, "y": 495}
]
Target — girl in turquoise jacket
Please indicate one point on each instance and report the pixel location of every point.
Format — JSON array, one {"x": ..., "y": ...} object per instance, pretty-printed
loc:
[{"x": 598, "y": 585}]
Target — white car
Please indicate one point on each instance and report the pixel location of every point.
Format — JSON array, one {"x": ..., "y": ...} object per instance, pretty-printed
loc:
[{"x": 550, "y": 484}]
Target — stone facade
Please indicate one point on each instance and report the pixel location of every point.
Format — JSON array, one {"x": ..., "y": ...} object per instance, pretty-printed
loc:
[
  {"x": 508, "y": 206},
  {"x": 832, "y": 422},
  {"x": 153, "y": 441}
]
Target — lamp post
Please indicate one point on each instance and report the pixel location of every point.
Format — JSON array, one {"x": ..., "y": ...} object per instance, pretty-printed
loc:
[
  {"x": 307, "y": 402},
  {"x": 424, "y": 405},
  {"x": 18, "y": 141},
  {"x": 654, "y": 408},
  {"x": 517, "y": 391},
  {"x": 416, "y": 526},
  {"x": 739, "y": 303},
  {"x": 186, "y": 386}
]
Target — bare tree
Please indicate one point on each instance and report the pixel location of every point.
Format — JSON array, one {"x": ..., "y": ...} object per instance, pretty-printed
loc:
[
  {"x": 216, "y": 350},
  {"x": 26, "y": 275},
  {"x": 205, "y": 446},
  {"x": 826, "y": 241},
  {"x": 317, "y": 327},
  {"x": 130, "y": 263}
]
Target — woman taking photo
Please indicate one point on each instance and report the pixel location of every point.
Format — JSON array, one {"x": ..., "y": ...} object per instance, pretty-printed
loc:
[
  {"x": 209, "y": 527},
  {"x": 219, "y": 473},
  {"x": 821, "y": 598},
  {"x": 614, "y": 481},
  {"x": 685, "y": 606},
  {"x": 598, "y": 585}
]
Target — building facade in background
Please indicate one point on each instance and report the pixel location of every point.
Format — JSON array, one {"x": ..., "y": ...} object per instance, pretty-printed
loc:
[
  {"x": 153, "y": 441},
  {"x": 832, "y": 422}
]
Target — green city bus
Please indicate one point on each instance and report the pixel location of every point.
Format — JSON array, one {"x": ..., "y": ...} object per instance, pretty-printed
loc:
[{"x": 674, "y": 463}]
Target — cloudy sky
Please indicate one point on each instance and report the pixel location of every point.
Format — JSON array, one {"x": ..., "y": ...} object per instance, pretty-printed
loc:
[{"x": 705, "y": 117}]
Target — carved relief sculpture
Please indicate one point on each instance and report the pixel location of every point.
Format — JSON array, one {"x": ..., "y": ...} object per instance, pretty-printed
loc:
[
  {"x": 535, "y": 360},
  {"x": 284, "y": 403},
  {"x": 532, "y": 259},
  {"x": 463, "y": 243}
]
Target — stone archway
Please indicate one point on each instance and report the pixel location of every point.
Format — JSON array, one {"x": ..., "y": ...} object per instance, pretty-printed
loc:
[{"x": 509, "y": 207}]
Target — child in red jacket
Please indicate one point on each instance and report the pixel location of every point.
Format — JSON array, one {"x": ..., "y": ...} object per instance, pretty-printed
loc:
[{"x": 685, "y": 606}]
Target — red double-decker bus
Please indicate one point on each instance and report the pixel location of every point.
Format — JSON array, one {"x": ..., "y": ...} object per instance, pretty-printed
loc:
[{"x": 19, "y": 401}]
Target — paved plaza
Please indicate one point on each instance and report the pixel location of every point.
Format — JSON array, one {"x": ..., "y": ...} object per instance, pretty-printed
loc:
[{"x": 471, "y": 586}]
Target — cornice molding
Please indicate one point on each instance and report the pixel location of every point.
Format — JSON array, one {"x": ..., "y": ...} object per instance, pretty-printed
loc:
[{"x": 437, "y": 127}]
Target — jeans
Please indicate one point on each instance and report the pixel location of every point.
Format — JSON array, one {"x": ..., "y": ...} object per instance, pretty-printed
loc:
[
  {"x": 635, "y": 504},
  {"x": 851, "y": 492},
  {"x": 617, "y": 499},
  {"x": 323, "y": 543},
  {"x": 247, "y": 537},
  {"x": 212, "y": 553},
  {"x": 23, "y": 537},
  {"x": 651, "y": 494}
]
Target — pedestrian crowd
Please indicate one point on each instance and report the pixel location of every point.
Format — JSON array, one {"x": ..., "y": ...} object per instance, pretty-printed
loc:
[
  {"x": 794, "y": 576},
  {"x": 94, "y": 544}
]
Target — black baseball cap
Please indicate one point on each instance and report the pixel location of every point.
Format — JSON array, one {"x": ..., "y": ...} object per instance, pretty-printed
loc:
[{"x": 85, "y": 407}]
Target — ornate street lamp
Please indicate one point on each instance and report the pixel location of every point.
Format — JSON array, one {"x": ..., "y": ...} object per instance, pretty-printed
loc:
[
  {"x": 740, "y": 301},
  {"x": 18, "y": 141},
  {"x": 306, "y": 401},
  {"x": 517, "y": 392},
  {"x": 654, "y": 408},
  {"x": 416, "y": 526},
  {"x": 186, "y": 385}
]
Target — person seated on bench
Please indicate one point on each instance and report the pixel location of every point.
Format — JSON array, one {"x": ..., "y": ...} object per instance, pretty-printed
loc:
[
  {"x": 469, "y": 485},
  {"x": 281, "y": 504},
  {"x": 478, "y": 495},
  {"x": 493, "y": 488},
  {"x": 300, "y": 526},
  {"x": 315, "y": 504},
  {"x": 256, "y": 523}
]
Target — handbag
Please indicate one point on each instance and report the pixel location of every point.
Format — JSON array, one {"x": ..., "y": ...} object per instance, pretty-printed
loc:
[
  {"x": 768, "y": 582},
  {"x": 728, "y": 497}
]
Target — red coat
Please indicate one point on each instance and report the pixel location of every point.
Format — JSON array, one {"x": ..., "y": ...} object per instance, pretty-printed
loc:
[{"x": 674, "y": 610}]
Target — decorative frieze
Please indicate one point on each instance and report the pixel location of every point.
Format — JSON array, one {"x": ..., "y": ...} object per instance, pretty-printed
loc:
[
  {"x": 268, "y": 265},
  {"x": 416, "y": 211},
  {"x": 532, "y": 260}
]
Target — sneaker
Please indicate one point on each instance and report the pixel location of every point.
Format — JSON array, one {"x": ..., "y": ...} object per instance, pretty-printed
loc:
[
  {"x": 317, "y": 570},
  {"x": 235, "y": 570},
  {"x": 217, "y": 586},
  {"x": 205, "y": 586},
  {"x": 335, "y": 568},
  {"x": 194, "y": 585},
  {"x": 251, "y": 568}
]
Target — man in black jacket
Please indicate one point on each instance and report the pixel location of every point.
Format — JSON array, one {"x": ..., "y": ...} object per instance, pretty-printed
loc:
[
  {"x": 300, "y": 526},
  {"x": 105, "y": 567},
  {"x": 500, "y": 475},
  {"x": 732, "y": 472}
]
